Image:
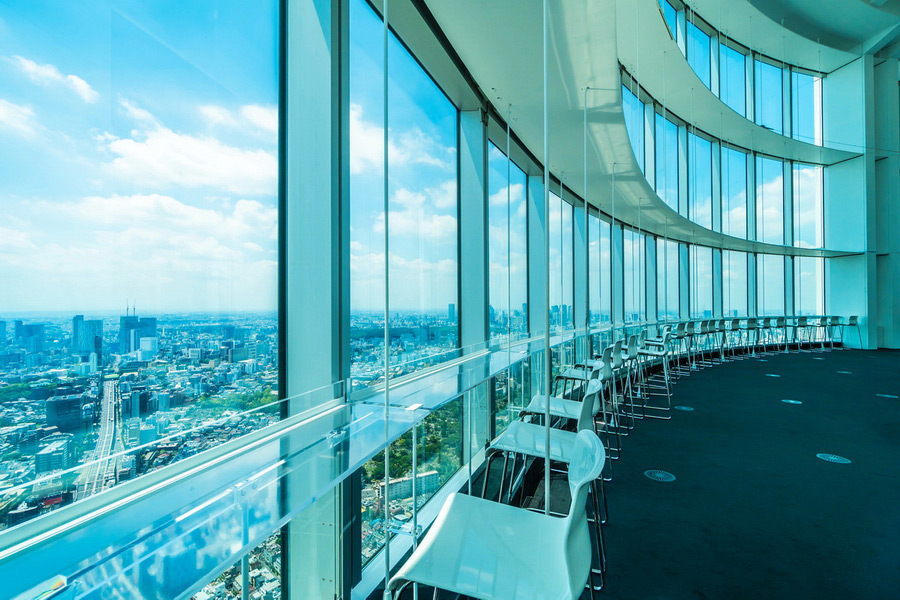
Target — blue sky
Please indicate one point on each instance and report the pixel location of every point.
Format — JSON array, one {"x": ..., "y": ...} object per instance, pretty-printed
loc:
[{"x": 139, "y": 144}]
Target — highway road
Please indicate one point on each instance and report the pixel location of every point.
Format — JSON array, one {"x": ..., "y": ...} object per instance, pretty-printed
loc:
[{"x": 100, "y": 473}]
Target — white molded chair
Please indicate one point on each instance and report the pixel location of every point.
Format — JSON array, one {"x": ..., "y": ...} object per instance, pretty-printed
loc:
[{"x": 493, "y": 551}]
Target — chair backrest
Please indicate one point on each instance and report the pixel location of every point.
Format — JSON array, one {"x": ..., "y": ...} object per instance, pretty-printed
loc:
[
  {"x": 835, "y": 321},
  {"x": 642, "y": 339},
  {"x": 680, "y": 330},
  {"x": 590, "y": 405},
  {"x": 751, "y": 323},
  {"x": 606, "y": 371},
  {"x": 617, "y": 355},
  {"x": 689, "y": 328},
  {"x": 735, "y": 324},
  {"x": 779, "y": 322},
  {"x": 854, "y": 321},
  {"x": 801, "y": 322},
  {"x": 632, "y": 346},
  {"x": 588, "y": 459}
]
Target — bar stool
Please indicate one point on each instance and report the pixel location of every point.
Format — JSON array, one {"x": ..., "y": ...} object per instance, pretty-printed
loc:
[{"x": 485, "y": 549}]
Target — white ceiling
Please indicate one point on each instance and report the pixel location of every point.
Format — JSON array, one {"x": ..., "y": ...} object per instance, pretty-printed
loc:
[{"x": 500, "y": 43}]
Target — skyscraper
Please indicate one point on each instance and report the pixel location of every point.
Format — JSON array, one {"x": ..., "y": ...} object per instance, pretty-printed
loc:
[
  {"x": 451, "y": 313},
  {"x": 132, "y": 329},
  {"x": 77, "y": 324},
  {"x": 2, "y": 332}
]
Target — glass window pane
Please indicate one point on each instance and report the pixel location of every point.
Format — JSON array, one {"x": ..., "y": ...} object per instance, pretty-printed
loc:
[
  {"x": 700, "y": 180},
  {"x": 599, "y": 265},
  {"x": 634, "y": 123},
  {"x": 561, "y": 263},
  {"x": 809, "y": 285},
  {"x": 507, "y": 247},
  {"x": 670, "y": 16},
  {"x": 667, "y": 161},
  {"x": 734, "y": 283},
  {"x": 139, "y": 157},
  {"x": 698, "y": 53},
  {"x": 701, "y": 268},
  {"x": 734, "y": 192},
  {"x": 770, "y": 285},
  {"x": 733, "y": 79},
  {"x": 768, "y": 96},
  {"x": 422, "y": 219},
  {"x": 808, "y": 206},
  {"x": 769, "y": 200},
  {"x": 806, "y": 108},
  {"x": 634, "y": 283},
  {"x": 667, "y": 279}
]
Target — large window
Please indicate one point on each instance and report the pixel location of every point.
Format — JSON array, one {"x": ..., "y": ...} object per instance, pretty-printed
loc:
[
  {"x": 809, "y": 285},
  {"x": 634, "y": 122},
  {"x": 734, "y": 192},
  {"x": 422, "y": 220},
  {"x": 769, "y": 200},
  {"x": 806, "y": 108},
  {"x": 508, "y": 247},
  {"x": 768, "y": 96},
  {"x": 139, "y": 152},
  {"x": 634, "y": 276},
  {"x": 698, "y": 49},
  {"x": 701, "y": 282},
  {"x": 599, "y": 265},
  {"x": 667, "y": 280},
  {"x": 667, "y": 161},
  {"x": 808, "y": 206},
  {"x": 561, "y": 263},
  {"x": 770, "y": 284},
  {"x": 700, "y": 180},
  {"x": 734, "y": 283},
  {"x": 671, "y": 16},
  {"x": 733, "y": 79}
]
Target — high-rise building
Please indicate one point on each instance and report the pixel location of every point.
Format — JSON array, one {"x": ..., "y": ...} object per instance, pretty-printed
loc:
[
  {"x": 64, "y": 412},
  {"x": 77, "y": 324},
  {"x": 451, "y": 313},
  {"x": 2, "y": 332},
  {"x": 132, "y": 329}
]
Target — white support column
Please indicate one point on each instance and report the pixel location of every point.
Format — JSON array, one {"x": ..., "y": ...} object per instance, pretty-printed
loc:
[
  {"x": 473, "y": 229},
  {"x": 617, "y": 273},
  {"x": 651, "y": 276},
  {"x": 684, "y": 281},
  {"x": 717, "y": 282}
]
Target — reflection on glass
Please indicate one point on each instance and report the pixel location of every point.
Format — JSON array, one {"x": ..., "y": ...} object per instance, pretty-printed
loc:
[
  {"x": 808, "y": 206},
  {"x": 809, "y": 285},
  {"x": 508, "y": 247},
  {"x": 733, "y": 79},
  {"x": 439, "y": 457},
  {"x": 770, "y": 284},
  {"x": 769, "y": 200},
  {"x": 634, "y": 123},
  {"x": 768, "y": 96},
  {"x": 140, "y": 174},
  {"x": 667, "y": 161},
  {"x": 667, "y": 280},
  {"x": 561, "y": 263},
  {"x": 734, "y": 192},
  {"x": 599, "y": 265},
  {"x": 734, "y": 283},
  {"x": 806, "y": 108},
  {"x": 698, "y": 45},
  {"x": 422, "y": 224},
  {"x": 670, "y": 16},
  {"x": 701, "y": 282},
  {"x": 634, "y": 276},
  {"x": 700, "y": 180}
]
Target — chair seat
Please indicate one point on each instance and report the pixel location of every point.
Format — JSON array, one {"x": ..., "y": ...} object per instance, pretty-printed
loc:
[
  {"x": 559, "y": 407},
  {"x": 531, "y": 439},
  {"x": 576, "y": 373},
  {"x": 488, "y": 550}
]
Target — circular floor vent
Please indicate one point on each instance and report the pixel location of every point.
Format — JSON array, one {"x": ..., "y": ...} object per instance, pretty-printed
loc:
[
  {"x": 657, "y": 475},
  {"x": 792, "y": 401},
  {"x": 834, "y": 458},
  {"x": 684, "y": 408}
]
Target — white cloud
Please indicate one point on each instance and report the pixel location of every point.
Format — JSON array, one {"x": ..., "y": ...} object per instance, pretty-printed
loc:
[
  {"x": 516, "y": 194},
  {"x": 263, "y": 117},
  {"x": 159, "y": 158},
  {"x": 411, "y": 147},
  {"x": 16, "y": 117},
  {"x": 218, "y": 115},
  {"x": 46, "y": 75},
  {"x": 14, "y": 240}
]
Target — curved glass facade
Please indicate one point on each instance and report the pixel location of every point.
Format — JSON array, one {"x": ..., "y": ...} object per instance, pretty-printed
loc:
[{"x": 338, "y": 265}]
